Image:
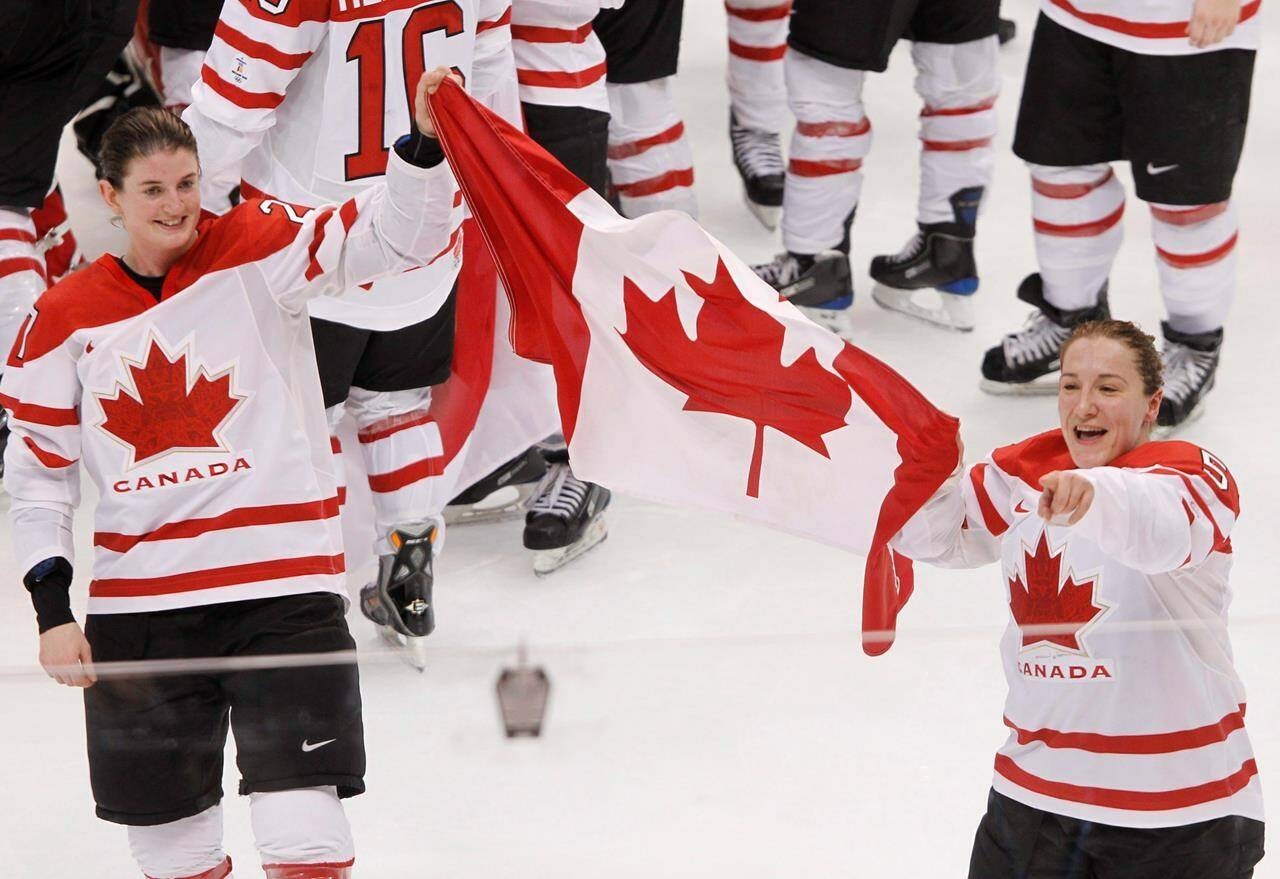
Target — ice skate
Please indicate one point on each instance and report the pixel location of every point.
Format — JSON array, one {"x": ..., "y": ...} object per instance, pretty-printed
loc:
[
  {"x": 399, "y": 601},
  {"x": 1027, "y": 362},
  {"x": 938, "y": 258},
  {"x": 1190, "y": 369},
  {"x": 566, "y": 519},
  {"x": 1006, "y": 30},
  {"x": 758, "y": 157},
  {"x": 503, "y": 494},
  {"x": 821, "y": 285}
]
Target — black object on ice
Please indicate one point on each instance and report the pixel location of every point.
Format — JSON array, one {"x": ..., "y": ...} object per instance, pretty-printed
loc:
[{"x": 522, "y": 698}]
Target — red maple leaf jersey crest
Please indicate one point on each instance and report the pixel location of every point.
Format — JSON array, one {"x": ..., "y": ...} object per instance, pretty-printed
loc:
[
  {"x": 1048, "y": 608},
  {"x": 169, "y": 408},
  {"x": 734, "y": 366}
]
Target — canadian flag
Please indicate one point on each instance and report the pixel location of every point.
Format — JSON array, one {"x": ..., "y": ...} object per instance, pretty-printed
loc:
[{"x": 681, "y": 377}]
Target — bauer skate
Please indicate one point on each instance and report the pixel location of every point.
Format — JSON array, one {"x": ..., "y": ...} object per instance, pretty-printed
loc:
[
  {"x": 566, "y": 519},
  {"x": 1190, "y": 369},
  {"x": 939, "y": 258},
  {"x": 503, "y": 494},
  {"x": 399, "y": 601},
  {"x": 758, "y": 157},
  {"x": 1027, "y": 362},
  {"x": 821, "y": 285}
]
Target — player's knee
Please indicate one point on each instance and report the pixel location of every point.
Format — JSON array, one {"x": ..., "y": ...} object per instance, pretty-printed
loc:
[
  {"x": 304, "y": 826},
  {"x": 822, "y": 92},
  {"x": 190, "y": 848},
  {"x": 959, "y": 75},
  {"x": 1070, "y": 175},
  {"x": 372, "y": 409}
]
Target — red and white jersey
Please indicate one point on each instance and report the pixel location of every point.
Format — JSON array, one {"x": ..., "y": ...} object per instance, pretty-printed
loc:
[
  {"x": 199, "y": 417},
  {"x": 308, "y": 96},
  {"x": 559, "y": 59},
  {"x": 1124, "y": 705},
  {"x": 1148, "y": 27}
]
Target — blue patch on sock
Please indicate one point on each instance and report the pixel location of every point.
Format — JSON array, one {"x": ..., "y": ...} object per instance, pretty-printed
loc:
[
  {"x": 838, "y": 304},
  {"x": 963, "y": 287}
]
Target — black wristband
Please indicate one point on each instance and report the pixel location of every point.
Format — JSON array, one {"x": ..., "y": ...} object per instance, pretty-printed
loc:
[
  {"x": 418, "y": 149},
  {"x": 49, "y": 583}
]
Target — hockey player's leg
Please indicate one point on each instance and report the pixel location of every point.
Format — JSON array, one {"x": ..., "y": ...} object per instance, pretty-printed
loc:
[
  {"x": 1076, "y": 213},
  {"x": 758, "y": 100},
  {"x": 824, "y": 182},
  {"x": 650, "y": 162},
  {"x": 22, "y": 280},
  {"x": 1196, "y": 259},
  {"x": 566, "y": 517},
  {"x": 302, "y": 834},
  {"x": 958, "y": 84},
  {"x": 190, "y": 848}
]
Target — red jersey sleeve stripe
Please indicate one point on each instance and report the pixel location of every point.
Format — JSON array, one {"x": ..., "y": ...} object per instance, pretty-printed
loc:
[
  {"x": 17, "y": 235},
  {"x": 1080, "y": 230},
  {"x": 48, "y": 459},
  {"x": 1166, "y": 30},
  {"x": 46, "y": 415},
  {"x": 1198, "y": 260},
  {"x": 1189, "y": 216},
  {"x": 393, "y": 425},
  {"x": 955, "y": 146},
  {"x": 959, "y": 111},
  {"x": 1068, "y": 190},
  {"x": 348, "y": 214},
  {"x": 500, "y": 21},
  {"x": 636, "y": 147},
  {"x": 262, "y": 51},
  {"x": 1157, "y": 743},
  {"x": 824, "y": 168},
  {"x": 238, "y": 96},
  {"x": 335, "y": 445},
  {"x": 15, "y": 264},
  {"x": 834, "y": 129},
  {"x": 768, "y": 13},
  {"x": 757, "y": 53},
  {"x": 213, "y": 578},
  {"x": 991, "y": 517},
  {"x": 314, "y": 269},
  {"x": 654, "y": 185},
  {"x": 1218, "y": 537},
  {"x": 532, "y": 33},
  {"x": 1132, "y": 800},
  {"x": 560, "y": 79},
  {"x": 244, "y": 517}
]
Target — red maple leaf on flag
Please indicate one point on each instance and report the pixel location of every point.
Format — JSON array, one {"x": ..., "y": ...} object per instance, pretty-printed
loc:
[
  {"x": 1047, "y": 608},
  {"x": 734, "y": 366},
  {"x": 167, "y": 413}
]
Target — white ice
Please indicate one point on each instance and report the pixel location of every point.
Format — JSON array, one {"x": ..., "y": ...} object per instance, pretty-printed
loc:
[{"x": 712, "y": 713}]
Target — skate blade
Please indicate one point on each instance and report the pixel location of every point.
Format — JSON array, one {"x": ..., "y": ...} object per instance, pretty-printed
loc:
[
  {"x": 768, "y": 215},
  {"x": 547, "y": 561},
  {"x": 954, "y": 312},
  {"x": 411, "y": 650},
  {"x": 837, "y": 320},
  {"x": 513, "y": 503},
  {"x": 1041, "y": 387}
]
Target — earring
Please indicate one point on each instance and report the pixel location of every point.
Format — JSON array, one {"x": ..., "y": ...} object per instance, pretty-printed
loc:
[{"x": 117, "y": 221}]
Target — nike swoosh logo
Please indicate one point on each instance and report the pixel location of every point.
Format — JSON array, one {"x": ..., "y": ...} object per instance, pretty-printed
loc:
[
  {"x": 307, "y": 747},
  {"x": 1153, "y": 170},
  {"x": 1018, "y": 508}
]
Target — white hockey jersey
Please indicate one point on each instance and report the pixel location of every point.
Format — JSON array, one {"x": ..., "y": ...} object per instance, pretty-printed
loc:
[
  {"x": 1124, "y": 705},
  {"x": 199, "y": 417},
  {"x": 1148, "y": 27},
  {"x": 559, "y": 59},
  {"x": 307, "y": 97}
]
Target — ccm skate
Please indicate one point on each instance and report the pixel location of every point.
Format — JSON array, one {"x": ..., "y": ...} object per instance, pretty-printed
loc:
[{"x": 566, "y": 518}]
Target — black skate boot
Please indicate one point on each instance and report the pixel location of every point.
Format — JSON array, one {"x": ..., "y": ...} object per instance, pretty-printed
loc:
[
  {"x": 4, "y": 438},
  {"x": 503, "y": 494},
  {"x": 939, "y": 257},
  {"x": 1025, "y": 362},
  {"x": 1006, "y": 30},
  {"x": 758, "y": 157},
  {"x": 399, "y": 601},
  {"x": 821, "y": 284},
  {"x": 566, "y": 517},
  {"x": 1190, "y": 368}
]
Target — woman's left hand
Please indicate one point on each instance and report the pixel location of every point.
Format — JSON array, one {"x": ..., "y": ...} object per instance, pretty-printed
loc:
[
  {"x": 427, "y": 86},
  {"x": 1212, "y": 21},
  {"x": 1066, "y": 493}
]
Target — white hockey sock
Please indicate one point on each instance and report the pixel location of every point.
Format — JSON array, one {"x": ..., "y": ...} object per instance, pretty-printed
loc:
[
  {"x": 1076, "y": 212},
  {"x": 757, "y": 44},
  {"x": 302, "y": 834},
  {"x": 649, "y": 157},
  {"x": 189, "y": 848},
  {"x": 958, "y": 84},
  {"x": 1196, "y": 259},
  {"x": 334, "y": 415},
  {"x": 832, "y": 136}
]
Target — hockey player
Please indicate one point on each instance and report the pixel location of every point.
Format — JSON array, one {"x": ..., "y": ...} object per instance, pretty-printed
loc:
[
  {"x": 297, "y": 98},
  {"x": 180, "y": 379},
  {"x": 650, "y": 162},
  {"x": 758, "y": 101},
  {"x": 832, "y": 46},
  {"x": 1127, "y": 753},
  {"x": 1171, "y": 97}
]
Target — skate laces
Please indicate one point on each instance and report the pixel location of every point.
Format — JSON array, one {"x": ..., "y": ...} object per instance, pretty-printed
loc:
[
  {"x": 1185, "y": 370},
  {"x": 784, "y": 270},
  {"x": 910, "y": 250},
  {"x": 560, "y": 493},
  {"x": 757, "y": 153},
  {"x": 1039, "y": 338}
]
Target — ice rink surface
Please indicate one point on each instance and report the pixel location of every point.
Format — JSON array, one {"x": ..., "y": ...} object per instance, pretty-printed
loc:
[{"x": 712, "y": 713}]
